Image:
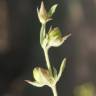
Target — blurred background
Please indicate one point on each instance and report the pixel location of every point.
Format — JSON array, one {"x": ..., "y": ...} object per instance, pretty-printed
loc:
[{"x": 20, "y": 50}]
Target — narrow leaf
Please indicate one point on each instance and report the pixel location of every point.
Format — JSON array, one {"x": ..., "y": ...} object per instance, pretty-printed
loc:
[
  {"x": 52, "y": 10},
  {"x": 54, "y": 72},
  {"x": 42, "y": 34},
  {"x": 62, "y": 67},
  {"x": 34, "y": 83},
  {"x": 66, "y": 37}
]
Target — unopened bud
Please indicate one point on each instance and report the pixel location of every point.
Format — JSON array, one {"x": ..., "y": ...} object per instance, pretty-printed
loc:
[
  {"x": 43, "y": 76},
  {"x": 55, "y": 38},
  {"x": 42, "y": 14}
]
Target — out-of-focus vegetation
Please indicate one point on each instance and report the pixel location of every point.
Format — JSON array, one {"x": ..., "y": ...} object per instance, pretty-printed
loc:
[{"x": 87, "y": 89}]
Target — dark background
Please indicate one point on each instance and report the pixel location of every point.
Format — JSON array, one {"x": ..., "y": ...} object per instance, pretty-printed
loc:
[{"x": 20, "y": 50}]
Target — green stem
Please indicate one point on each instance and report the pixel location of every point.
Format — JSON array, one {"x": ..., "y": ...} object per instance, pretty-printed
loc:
[
  {"x": 47, "y": 60},
  {"x": 42, "y": 37},
  {"x": 42, "y": 33},
  {"x": 54, "y": 90}
]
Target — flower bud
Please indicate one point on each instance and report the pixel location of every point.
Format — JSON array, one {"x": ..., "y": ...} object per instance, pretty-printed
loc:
[
  {"x": 42, "y": 14},
  {"x": 55, "y": 38},
  {"x": 43, "y": 76}
]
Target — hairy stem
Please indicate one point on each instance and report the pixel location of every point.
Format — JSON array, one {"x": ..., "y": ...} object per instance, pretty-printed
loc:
[
  {"x": 42, "y": 37},
  {"x": 47, "y": 61},
  {"x": 42, "y": 33},
  {"x": 54, "y": 90}
]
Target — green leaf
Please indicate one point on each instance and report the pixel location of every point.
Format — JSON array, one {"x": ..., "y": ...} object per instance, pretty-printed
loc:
[
  {"x": 66, "y": 37},
  {"x": 54, "y": 72},
  {"x": 34, "y": 83},
  {"x": 62, "y": 67},
  {"x": 42, "y": 33},
  {"x": 52, "y": 10}
]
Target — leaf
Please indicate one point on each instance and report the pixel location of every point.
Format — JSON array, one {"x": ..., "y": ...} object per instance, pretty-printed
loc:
[
  {"x": 54, "y": 72},
  {"x": 52, "y": 10},
  {"x": 34, "y": 83},
  {"x": 66, "y": 37},
  {"x": 62, "y": 67},
  {"x": 42, "y": 34}
]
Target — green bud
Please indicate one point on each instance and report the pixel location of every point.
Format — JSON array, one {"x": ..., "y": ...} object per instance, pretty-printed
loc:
[
  {"x": 55, "y": 38},
  {"x": 37, "y": 74},
  {"x": 43, "y": 76}
]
